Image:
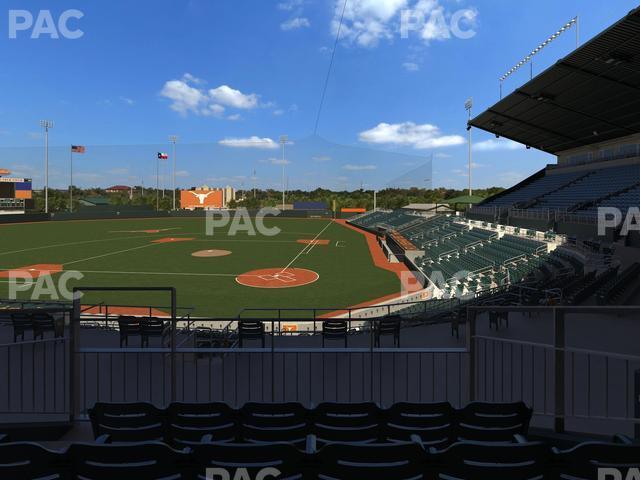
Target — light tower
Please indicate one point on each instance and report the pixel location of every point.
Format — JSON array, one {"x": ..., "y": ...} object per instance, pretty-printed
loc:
[
  {"x": 46, "y": 124},
  {"x": 173, "y": 139},
  {"x": 468, "y": 105}
]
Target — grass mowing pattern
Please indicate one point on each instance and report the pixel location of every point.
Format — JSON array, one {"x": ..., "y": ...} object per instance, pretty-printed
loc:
[{"x": 107, "y": 255}]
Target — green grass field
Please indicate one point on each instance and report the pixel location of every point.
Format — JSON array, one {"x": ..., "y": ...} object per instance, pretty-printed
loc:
[{"x": 107, "y": 253}]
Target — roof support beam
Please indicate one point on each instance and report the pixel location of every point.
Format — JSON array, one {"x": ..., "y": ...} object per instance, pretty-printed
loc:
[
  {"x": 531, "y": 125},
  {"x": 578, "y": 112}
]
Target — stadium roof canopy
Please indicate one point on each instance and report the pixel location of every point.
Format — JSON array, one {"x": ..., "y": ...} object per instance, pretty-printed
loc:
[{"x": 590, "y": 96}]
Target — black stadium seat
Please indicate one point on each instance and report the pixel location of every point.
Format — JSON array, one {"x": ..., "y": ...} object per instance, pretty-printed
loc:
[
  {"x": 24, "y": 460},
  {"x": 187, "y": 423},
  {"x": 480, "y": 461},
  {"x": 275, "y": 422},
  {"x": 347, "y": 422},
  {"x": 140, "y": 461},
  {"x": 493, "y": 422},
  {"x": 582, "y": 461},
  {"x": 283, "y": 458},
  {"x": 433, "y": 423},
  {"x": 400, "y": 461},
  {"x": 127, "y": 422}
]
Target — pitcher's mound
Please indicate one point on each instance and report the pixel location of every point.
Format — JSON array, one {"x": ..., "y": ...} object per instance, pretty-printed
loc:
[
  {"x": 211, "y": 253},
  {"x": 277, "y": 278}
]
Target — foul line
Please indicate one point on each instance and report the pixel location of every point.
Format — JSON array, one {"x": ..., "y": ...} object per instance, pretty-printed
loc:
[
  {"x": 184, "y": 274},
  {"x": 312, "y": 244},
  {"x": 110, "y": 253}
]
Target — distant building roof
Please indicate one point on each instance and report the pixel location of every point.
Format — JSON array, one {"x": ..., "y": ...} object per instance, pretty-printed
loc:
[{"x": 118, "y": 188}]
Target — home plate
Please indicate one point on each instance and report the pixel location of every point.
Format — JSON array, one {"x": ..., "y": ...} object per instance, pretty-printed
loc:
[{"x": 277, "y": 278}]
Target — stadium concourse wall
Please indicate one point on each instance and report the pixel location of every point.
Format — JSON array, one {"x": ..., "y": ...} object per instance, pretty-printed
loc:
[{"x": 98, "y": 213}]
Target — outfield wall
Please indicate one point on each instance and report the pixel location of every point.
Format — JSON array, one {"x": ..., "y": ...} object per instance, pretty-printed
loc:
[{"x": 119, "y": 213}]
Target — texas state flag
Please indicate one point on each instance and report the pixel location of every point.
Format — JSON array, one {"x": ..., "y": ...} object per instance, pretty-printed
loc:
[{"x": 162, "y": 156}]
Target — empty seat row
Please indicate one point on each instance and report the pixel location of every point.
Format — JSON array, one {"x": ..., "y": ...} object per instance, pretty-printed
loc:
[
  {"x": 38, "y": 322},
  {"x": 182, "y": 424},
  {"x": 401, "y": 461}
]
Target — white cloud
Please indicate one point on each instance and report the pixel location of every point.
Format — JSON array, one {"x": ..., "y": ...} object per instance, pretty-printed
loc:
[
  {"x": 411, "y": 66},
  {"x": 367, "y": 22},
  {"x": 225, "y": 95},
  {"x": 321, "y": 158},
  {"x": 358, "y": 168},
  {"x": 235, "y": 117},
  {"x": 497, "y": 144},
  {"x": 188, "y": 96},
  {"x": 289, "y": 5},
  {"x": 278, "y": 112},
  {"x": 251, "y": 142},
  {"x": 279, "y": 161},
  {"x": 410, "y": 134},
  {"x": 127, "y": 101},
  {"x": 295, "y": 24},
  {"x": 182, "y": 173}
]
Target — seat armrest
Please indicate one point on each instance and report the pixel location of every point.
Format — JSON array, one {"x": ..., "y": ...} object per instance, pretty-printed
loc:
[
  {"x": 433, "y": 450},
  {"x": 103, "y": 439},
  {"x": 622, "y": 439},
  {"x": 4, "y": 438},
  {"x": 311, "y": 446},
  {"x": 555, "y": 450},
  {"x": 517, "y": 438},
  {"x": 207, "y": 438},
  {"x": 415, "y": 438}
]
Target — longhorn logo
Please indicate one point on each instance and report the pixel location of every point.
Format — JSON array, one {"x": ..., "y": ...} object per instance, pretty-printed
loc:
[{"x": 201, "y": 196}]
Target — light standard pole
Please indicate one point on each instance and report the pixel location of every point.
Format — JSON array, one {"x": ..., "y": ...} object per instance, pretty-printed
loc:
[
  {"x": 46, "y": 124},
  {"x": 283, "y": 142},
  {"x": 173, "y": 139},
  {"x": 468, "y": 105}
]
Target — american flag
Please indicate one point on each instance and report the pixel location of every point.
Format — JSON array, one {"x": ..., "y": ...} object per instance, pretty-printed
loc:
[
  {"x": 78, "y": 149},
  {"x": 162, "y": 156}
]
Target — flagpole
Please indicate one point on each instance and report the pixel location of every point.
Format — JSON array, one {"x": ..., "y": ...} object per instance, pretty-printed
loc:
[
  {"x": 71, "y": 184},
  {"x": 158, "y": 184}
]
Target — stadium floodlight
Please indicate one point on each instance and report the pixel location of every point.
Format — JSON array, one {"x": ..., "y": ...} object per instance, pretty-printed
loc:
[
  {"x": 46, "y": 124},
  {"x": 283, "y": 141},
  {"x": 527, "y": 59},
  {"x": 174, "y": 139},
  {"x": 468, "y": 105}
]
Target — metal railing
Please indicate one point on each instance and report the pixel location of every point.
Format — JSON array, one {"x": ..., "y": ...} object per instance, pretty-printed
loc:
[
  {"x": 574, "y": 366},
  {"x": 577, "y": 387}
]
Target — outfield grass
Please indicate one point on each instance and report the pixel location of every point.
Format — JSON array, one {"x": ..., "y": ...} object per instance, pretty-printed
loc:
[{"x": 108, "y": 254}]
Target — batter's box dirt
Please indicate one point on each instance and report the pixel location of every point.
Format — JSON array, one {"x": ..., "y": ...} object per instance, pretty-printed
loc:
[{"x": 277, "y": 278}]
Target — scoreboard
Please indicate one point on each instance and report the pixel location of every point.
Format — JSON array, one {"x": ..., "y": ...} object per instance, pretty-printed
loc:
[{"x": 15, "y": 194}]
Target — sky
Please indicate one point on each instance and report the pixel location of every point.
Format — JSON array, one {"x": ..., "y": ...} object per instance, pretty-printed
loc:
[{"x": 229, "y": 77}]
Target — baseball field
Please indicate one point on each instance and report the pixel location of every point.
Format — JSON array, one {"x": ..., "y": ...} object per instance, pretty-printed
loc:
[{"x": 310, "y": 263}]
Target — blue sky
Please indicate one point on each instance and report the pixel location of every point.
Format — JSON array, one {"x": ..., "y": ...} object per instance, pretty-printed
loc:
[{"x": 230, "y": 76}]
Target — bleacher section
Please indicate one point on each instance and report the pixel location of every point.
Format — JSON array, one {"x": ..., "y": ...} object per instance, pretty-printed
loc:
[
  {"x": 395, "y": 220},
  {"x": 544, "y": 185},
  {"x": 580, "y": 192}
]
